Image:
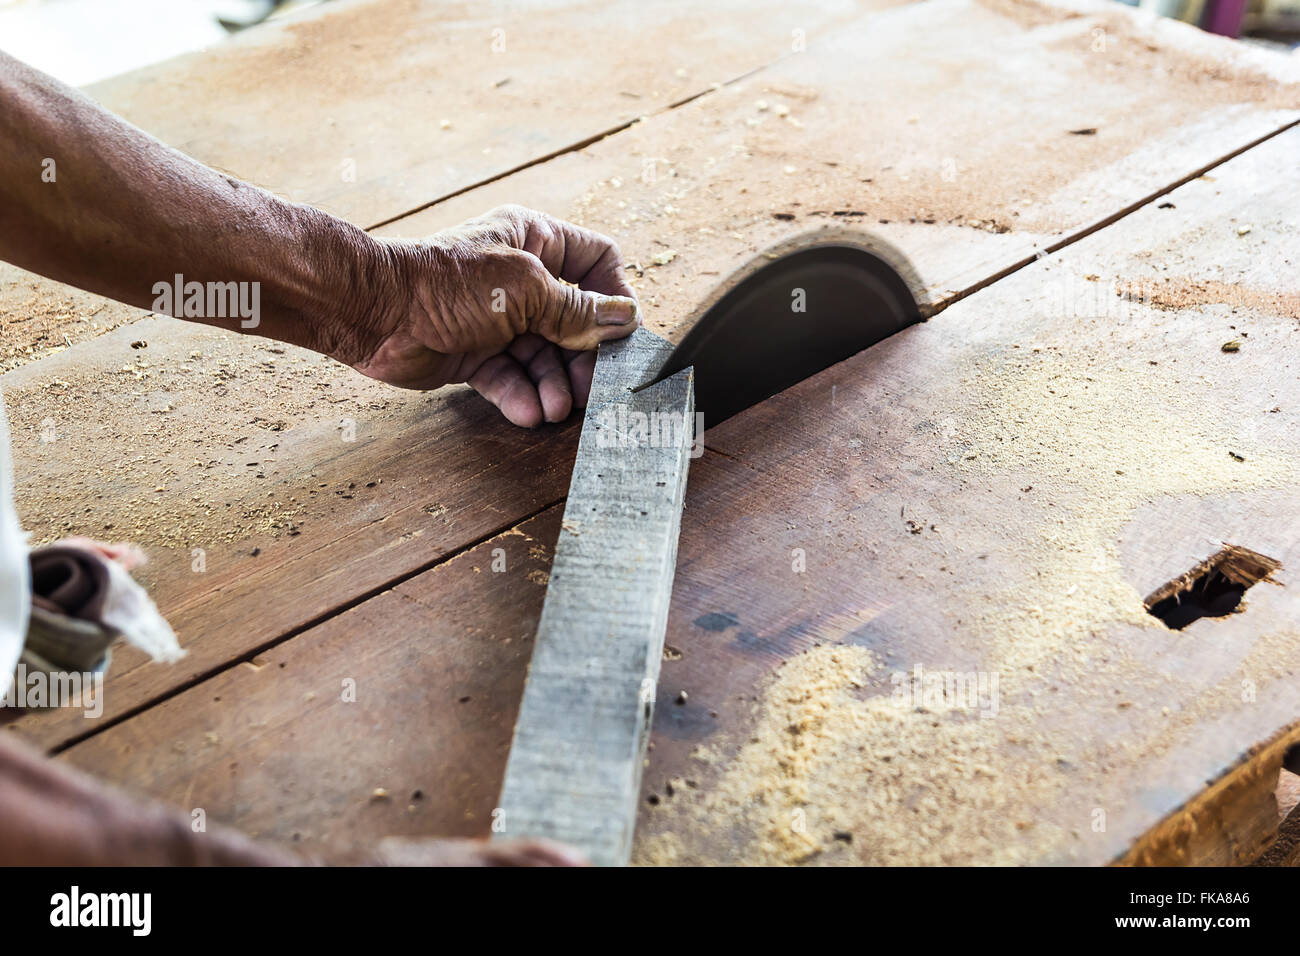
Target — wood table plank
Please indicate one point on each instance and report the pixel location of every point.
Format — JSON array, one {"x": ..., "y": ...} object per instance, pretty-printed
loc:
[
  {"x": 923, "y": 542},
  {"x": 971, "y": 136},
  {"x": 227, "y": 459},
  {"x": 392, "y": 719},
  {"x": 278, "y": 487},
  {"x": 909, "y": 613},
  {"x": 342, "y": 106}
]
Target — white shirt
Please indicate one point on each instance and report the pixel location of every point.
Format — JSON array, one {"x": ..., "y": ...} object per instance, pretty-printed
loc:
[{"x": 15, "y": 589}]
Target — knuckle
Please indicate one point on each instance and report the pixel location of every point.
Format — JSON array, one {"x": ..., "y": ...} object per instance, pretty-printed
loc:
[
  {"x": 527, "y": 268},
  {"x": 513, "y": 213}
]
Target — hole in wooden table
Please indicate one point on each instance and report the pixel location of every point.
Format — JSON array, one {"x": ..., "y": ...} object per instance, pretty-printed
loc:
[{"x": 1214, "y": 588}]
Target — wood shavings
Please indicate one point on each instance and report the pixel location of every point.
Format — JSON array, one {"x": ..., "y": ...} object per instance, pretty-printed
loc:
[{"x": 823, "y": 762}]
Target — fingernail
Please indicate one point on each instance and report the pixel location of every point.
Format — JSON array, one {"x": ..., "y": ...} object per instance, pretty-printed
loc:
[{"x": 616, "y": 310}]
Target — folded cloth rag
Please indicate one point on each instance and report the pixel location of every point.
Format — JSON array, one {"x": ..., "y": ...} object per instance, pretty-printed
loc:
[{"x": 82, "y": 602}]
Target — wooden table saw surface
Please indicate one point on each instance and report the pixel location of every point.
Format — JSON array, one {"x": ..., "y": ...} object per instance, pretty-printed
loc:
[{"x": 1094, "y": 203}]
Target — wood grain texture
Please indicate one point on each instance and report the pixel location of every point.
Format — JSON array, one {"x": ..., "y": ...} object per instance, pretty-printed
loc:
[
  {"x": 413, "y": 693},
  {"x": 948, "y": 128},
  {"x": 342, "y": 106},
  {"x": 994, "y": 492},
  {"x": 994, "y": 90},
  {"x": 283, "y": 487},
  {"x": 575, "y": 762},
  {"x": 1231, "y": 823},
  {"x": 186, "y": 439},
  {"x": 177, "y": 415}
]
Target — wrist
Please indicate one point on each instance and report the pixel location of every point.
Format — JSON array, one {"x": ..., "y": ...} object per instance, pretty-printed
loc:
[{"x": 342, "y": 295}]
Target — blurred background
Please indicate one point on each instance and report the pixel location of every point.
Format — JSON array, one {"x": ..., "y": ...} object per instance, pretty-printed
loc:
[{"x": 81, "y": 41}]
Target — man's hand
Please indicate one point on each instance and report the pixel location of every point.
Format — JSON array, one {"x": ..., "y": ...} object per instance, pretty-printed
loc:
[{"x": 484, "y": 303}]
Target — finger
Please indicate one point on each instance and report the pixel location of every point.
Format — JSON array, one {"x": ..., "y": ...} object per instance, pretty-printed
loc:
[
  {"x": 529, "y": 853},
  {"x": 407, "y": 851},
  {"x": 541, "y": 360},
  {"x": 576, "y": 319},
  {"x": 581, "y": 366},
  {"x": 548, "y": 853},
  {"x": 504, "y": 383},
  {"x": 591, "y": 260},
  {"x": 588, "y": 259}
]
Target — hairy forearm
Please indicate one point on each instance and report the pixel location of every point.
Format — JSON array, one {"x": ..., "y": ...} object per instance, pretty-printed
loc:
[{"x": 88, "y": 199}]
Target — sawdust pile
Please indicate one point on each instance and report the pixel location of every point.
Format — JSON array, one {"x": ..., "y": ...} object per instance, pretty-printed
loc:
[
  {"x": 187, "y": 445},
  {"x": 1028, "y": 13},
  {"x": 1208, "y": 70},
  {"x": 1163, "y": 50},
  {"x": 39, "y": 317},
  {"x": 830, "y": 777}
]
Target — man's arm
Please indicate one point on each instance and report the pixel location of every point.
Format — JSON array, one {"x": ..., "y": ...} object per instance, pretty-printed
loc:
[
  {"x": 88, "y": 199},
  {"x": 53, "y": 815}
]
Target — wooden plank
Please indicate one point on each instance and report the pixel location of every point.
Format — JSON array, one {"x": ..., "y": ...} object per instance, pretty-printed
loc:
[
  {"x": 1229, "y": 824},
  {"x": 270, "y": 745},
  {"x": 194, "y": 401},
  {"x": 992, "y": 494},
  {"x": 579, "y": 745},
  {"x": 341, "y": 106},
  {"x": 285, "y": 748}
]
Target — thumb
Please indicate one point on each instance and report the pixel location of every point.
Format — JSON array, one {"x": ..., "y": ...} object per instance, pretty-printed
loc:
[{"x": 574, "y": 318}]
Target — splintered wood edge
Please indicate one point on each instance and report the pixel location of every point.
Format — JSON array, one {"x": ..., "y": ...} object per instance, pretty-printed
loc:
[
  {"x": 1235, "y": 820},
  {"x": 1231, "y": 823},
  {"x": 574, "y": 770},
  {"x": 1239, "y": 565}
]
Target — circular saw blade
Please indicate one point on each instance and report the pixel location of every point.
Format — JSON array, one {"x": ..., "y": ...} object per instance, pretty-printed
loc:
[{"x": 797, "y": 309}]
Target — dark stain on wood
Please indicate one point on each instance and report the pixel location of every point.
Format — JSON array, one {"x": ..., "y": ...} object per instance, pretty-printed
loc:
[{"x": 717, "y": 621}]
